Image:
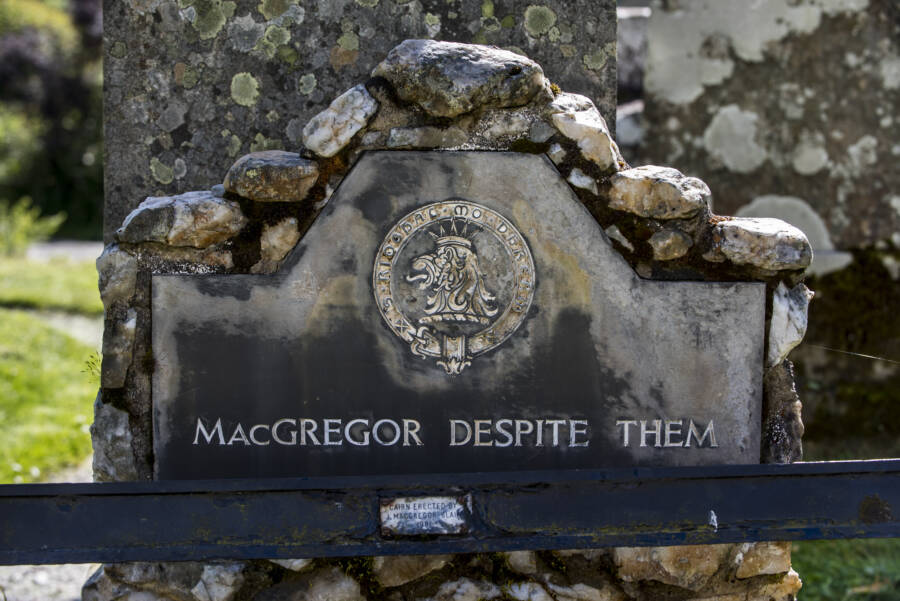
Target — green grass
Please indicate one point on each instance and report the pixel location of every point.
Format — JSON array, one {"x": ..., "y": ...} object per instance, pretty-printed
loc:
[
  {"x": 840, "y": 570},
  {"x": 46, "y": 396},
  {"x": 58, "y": 285}
]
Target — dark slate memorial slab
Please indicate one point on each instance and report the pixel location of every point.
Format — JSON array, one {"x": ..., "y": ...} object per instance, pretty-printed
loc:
[{"x": 452, "y": 312}]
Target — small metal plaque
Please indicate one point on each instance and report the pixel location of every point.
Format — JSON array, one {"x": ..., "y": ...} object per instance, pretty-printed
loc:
[{"x": 425, "y": 515}]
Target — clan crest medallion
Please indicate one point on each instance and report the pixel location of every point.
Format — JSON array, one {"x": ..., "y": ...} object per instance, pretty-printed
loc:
[{"x": 453, "y": 279}]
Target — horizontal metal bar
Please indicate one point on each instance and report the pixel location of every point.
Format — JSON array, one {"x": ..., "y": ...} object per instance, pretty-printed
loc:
[{"x": 245, "y": 519}]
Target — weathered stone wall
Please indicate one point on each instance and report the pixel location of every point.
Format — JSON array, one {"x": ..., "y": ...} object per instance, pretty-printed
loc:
[
  {"x": 429, "y": 95},
  {"x": 190, "y": 85},
  {"x": 790, "y": 110}
]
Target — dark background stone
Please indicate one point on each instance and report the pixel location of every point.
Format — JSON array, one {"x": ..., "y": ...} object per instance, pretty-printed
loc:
[{"x": 191, "y": 85}]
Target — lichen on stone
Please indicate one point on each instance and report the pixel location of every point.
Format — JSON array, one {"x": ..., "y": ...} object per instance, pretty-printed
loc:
[
  {"x": 210, "y": 16},
  {"x": 539, "y": 19},
  {"x": 244, "y": 89},
  {"x": 307, "y": 84},
  {"x": 161, "y": 172}
]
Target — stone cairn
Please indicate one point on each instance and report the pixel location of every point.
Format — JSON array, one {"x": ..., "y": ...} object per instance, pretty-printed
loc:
[{"x": 445, "y": 96}]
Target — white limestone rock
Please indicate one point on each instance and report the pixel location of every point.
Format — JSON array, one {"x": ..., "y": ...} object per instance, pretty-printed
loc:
[
  {"x": 465, "y": 589},
  {"x": 196, "y": 219},
  {"x": 523, "y": 562},
  {"x": 769, "y": 244},
  {"x": 117, "y": 271},
  {"x": 219, "y": 582},
  {"x": 527, "y": 591},
  {"x": 670, "y": 244},
  {"x": 614, "y": 233},
  {"x": 275, "y": 243},
  {"x": 111, "y": 440},
  {"x": 294, "y": 565},
  {"x": 589, "y": 130},
  {"x": 658, "y": 193},
  {"x": 789, "y": 321},
  {"x": 763, "y": 558},
  {"x": 447, "y": 79},
  {"x": 329, "y": 131},
  {"x": 580, "y": 179},
  {"x": 397, "y": 570},
  {"x": 333, "y": 585}
]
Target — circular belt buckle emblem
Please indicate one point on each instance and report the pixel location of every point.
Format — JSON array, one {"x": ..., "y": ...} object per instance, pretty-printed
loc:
[{"x": 453, "y": 279}]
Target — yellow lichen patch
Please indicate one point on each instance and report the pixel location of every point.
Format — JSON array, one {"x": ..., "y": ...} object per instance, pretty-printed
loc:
[
  {"x": 349, "y": 41},
  {"x": 161, "y": 172},
  {"x": 244, "y": 89},
  {"x": 210, "y": 16},
  {"x": 272, "y": 9},
  {"x": 539, "y": 19}
]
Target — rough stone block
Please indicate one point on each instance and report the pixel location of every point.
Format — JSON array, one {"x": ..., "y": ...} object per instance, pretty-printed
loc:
[
  {"x": 397, "y": 570},
  {"x": 118, "y": 342},
  {"x": 689, "y": 566},
  {"x": 117, "y": 271},
  {"x": 763, "y": 558},
  {"x": 447, "y": 79},
  {"x": 769, "y": 244},
  {"x": 658, "y": 193},
  {"x": 329, "y": 131},
  {"x": 197, "y": 219},
  {"x": 788, "y": 323},
  {"x": 272, "y": 176},
  {"x": 588, "y": 129},
  {"x": 111, "y": 441}
]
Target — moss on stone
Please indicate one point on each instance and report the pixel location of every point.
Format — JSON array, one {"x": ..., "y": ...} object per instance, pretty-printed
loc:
[
  {"x": 367, "y": 3},
  {"x": 539, "y": 19},
  {"x": 508, "y": 22},
  {"x": 161, "y": 172},
  {"x": 244, "y": 89},
  {"x": 432, "y": 19},
  {"x": 487, "y": 9}
]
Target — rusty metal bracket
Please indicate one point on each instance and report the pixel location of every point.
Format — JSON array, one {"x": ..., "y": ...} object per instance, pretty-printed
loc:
[{"x": 245, "y": 519}]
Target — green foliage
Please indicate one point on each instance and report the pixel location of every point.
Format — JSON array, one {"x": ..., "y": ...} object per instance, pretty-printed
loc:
[
  {"x": 58, "y": 285},
  {"x": 45, "y": 399},
  {"x": 50, "y": 109},
  {"x": 48, "y": 17},
  {"x": 21, "y": 225},
  {"x": 19, "y": 141},
  {"x": 838, "y": 570}
]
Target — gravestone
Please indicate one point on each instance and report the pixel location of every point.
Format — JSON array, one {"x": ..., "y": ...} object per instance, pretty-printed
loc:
[{"x": 457, "y": 273}]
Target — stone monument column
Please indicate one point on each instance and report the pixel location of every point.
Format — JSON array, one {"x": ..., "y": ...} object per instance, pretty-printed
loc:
[{"x": 191, "y": 85}]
